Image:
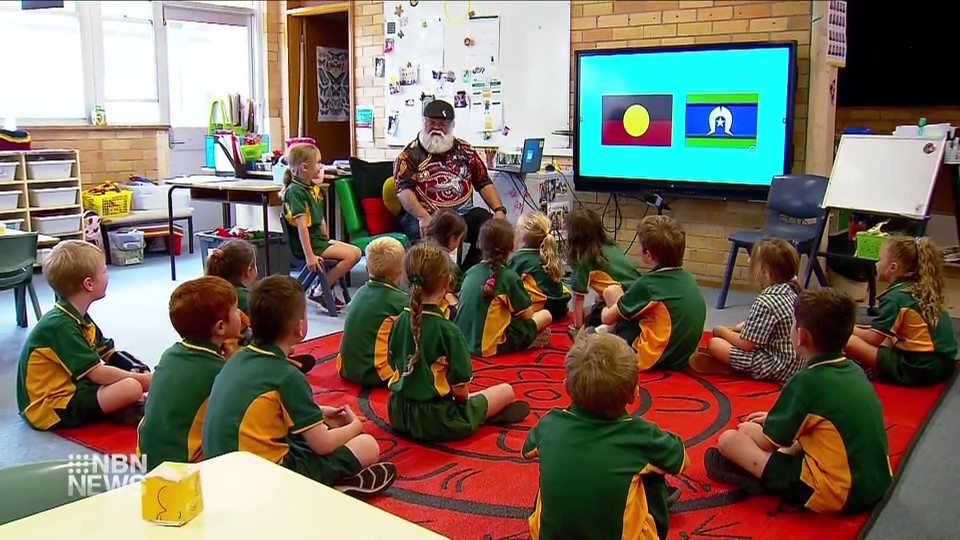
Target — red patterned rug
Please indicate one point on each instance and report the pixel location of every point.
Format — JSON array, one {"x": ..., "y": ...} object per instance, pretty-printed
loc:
[{"x": 482, "y": 488}]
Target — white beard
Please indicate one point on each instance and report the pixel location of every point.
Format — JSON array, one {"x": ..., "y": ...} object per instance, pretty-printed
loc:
[{"x": 436, "y": 143}]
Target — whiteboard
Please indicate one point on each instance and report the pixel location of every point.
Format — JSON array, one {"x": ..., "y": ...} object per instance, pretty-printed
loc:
[
  {"x": 531, "y": 64},
  {"x": 884, "y": 174}
]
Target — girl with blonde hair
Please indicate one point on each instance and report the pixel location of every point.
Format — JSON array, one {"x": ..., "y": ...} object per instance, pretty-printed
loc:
[{"x": 537, "y": 262}]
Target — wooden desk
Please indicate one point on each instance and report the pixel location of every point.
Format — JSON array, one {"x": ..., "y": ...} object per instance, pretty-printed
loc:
[
  {"x": 244, "y": 496},
  {"x": 227, "y": 191}
]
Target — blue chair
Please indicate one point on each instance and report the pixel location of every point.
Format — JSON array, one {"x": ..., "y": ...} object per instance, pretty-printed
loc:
[
  {"x": 794, "y": 213},
  {"x": 32, "y": 488},
  {"x": 308, "y": 278},
  {"x": 18, "y": 253}
]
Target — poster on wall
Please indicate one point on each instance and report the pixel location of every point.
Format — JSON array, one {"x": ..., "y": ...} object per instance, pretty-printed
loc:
[
  {"x": 333, "y": 85},
  {"x": 837, "y": 33}
]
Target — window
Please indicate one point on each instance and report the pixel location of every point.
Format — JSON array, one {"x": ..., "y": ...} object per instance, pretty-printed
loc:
[{"x": 129, "y": 63}]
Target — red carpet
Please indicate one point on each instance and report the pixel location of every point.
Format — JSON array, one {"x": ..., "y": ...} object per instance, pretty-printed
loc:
[{"x": 482, "y": 489}]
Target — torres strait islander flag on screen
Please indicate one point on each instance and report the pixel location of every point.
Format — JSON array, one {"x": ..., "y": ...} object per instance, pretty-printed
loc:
[
  {"x": 721, "y": 119},
  {"x": 637, "y": 120}
]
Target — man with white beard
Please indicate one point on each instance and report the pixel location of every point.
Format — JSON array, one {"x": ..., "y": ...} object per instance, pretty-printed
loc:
[{"x": 436, "y": 171}]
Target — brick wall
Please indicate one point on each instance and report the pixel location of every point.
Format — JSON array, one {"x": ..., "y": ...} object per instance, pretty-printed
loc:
[
  {"x": 109, "y": 153},
  {"x": 885, "y": 119},
  {"x": 274, "y": 22},
  {"x": 597, "y": 24}
]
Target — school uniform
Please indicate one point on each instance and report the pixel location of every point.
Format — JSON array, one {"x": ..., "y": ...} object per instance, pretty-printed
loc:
[
  {"x": 601, "y": 477},
  {"x": 767, "y": 326},
  {"x": 421, "y": 405},
  {"x": 921, "y": 354},
  {"x": 663, "y": 316},
  {"x": 261, "y": 403},
  {"x": 363, "y": 357},
  {"x": 833, "y": 411},
  {"x": 545, "y": 293},
  {"x": 305, "y": 199},
  {"x": 172, "y": 426},
  {"x": 616, "y": 269},
  {"x": 492, "y": 326},
  {"x": 52, "y": 385},
  {"x": 245, "y": 334}
]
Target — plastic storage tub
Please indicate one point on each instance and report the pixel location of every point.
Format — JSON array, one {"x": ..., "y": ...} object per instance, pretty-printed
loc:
[
  {"x": 126, "y": 246},
  {"x": 146, "y": 197},
  {"x": 279, "y": 257},
  {"x": 50, "y": 170},
  {"x": 54, "y": 225},
  {"x": 8, "y": 170},
  {"x": 9, "y": 199},
  {"x": 12, "y": 224},
  {"x": 43, "y": 198}
]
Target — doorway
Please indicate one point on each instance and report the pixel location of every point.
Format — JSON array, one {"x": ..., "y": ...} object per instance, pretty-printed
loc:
[{"x": 321, "y": 93}]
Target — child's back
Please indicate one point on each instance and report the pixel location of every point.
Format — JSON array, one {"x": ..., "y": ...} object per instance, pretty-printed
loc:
[
  {"x": 363, "y": 356},
  {"x": 545, "y": 292},
  {"x": 489, "y": 323},
  {"x": 616, "y": 269}
]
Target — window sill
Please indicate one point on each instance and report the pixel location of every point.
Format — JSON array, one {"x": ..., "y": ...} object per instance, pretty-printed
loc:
[{"x": 89, "y": 127}]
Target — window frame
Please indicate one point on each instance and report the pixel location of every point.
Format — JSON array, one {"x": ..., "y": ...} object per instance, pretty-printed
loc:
[{"x": 93, "y": 56}]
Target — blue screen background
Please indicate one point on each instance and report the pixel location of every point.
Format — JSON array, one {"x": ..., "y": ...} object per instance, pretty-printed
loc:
[{"x": 765, "y": 71}]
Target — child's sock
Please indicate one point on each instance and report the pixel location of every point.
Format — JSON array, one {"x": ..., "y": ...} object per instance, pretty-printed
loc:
[
  {"x": 511, "y": 414},
  {"x": 725, "y": 471}
]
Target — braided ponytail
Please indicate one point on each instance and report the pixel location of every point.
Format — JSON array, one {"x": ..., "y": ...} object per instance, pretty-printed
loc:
[
  {"x": 496, "y": 243},
  {"x": 416, "y": 317},
  {"x": 427, "y": 268}
]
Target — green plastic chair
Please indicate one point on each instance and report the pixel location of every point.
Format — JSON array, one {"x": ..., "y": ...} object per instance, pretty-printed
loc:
[
  {"x": 32, "y": 488},
  {"x": 354, "y": 225},
  {"x": 18, "y": 253}
]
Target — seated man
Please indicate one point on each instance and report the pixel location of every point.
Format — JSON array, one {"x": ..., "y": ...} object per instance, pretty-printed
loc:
[{"x": 438, "y": 170}]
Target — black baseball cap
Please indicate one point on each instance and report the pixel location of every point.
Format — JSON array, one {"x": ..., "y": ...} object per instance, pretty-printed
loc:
[{"x": 438, "y": 109}]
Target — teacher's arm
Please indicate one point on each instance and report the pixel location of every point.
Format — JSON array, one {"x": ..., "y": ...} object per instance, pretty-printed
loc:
[
  {"x": 403, "y": 172},
  {"x": 484, "y": 185}
]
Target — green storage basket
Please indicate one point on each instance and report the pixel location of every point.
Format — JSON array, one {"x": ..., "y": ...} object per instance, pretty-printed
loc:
[{"x": 868, "y": 245}]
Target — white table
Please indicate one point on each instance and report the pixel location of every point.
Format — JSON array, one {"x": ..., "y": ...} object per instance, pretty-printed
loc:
[{"x": 244, "y": 496}]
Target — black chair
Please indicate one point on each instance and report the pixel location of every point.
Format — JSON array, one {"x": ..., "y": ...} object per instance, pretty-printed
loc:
[
  {"x": 794, "y": 213},
  {"x": 308, "y": 278}
]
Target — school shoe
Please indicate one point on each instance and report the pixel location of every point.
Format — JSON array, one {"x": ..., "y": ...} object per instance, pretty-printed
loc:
[
  {"x": 511, "y": 414},
  {"x": 128, "y": 416},
  {"x": 725, "y": 471},
  {"x": 127, "y": 362},
  {"x": 702, "y": 362},
  {"x": 542, "y": 339},
  {"x": 305, "y": 362},
  {"x": 673, "y": 495},
  {"x": 370, "y": 481},
  {"x": 317, "y": 298}
]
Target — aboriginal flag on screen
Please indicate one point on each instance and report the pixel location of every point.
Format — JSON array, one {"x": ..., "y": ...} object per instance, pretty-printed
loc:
[{"x": 637, "y": 120}]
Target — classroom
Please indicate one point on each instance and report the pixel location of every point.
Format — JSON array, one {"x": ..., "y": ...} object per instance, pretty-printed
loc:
[{"x": 478, "y": 269}]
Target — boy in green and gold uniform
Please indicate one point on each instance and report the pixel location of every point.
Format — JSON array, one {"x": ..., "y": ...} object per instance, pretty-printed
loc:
[
  {"x": 204, "y": 313},
  {"x": 662, "y": 314},
  {"x": 601, "y": 468},
  {"x": 363, "y": 357},
  {"x": 823, "y": 445},
  {"x": 69, "y": 374},
  {"x": 262, "y": 403}
]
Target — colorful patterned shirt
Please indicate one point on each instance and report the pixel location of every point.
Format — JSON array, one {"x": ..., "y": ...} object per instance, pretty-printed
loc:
[{"x": 441, "y": 180}]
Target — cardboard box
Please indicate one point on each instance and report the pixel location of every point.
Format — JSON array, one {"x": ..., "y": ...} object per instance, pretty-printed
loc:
[{"x": 171, "y": 495}]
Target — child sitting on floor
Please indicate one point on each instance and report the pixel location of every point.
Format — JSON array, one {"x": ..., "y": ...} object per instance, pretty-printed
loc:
[
  {"x": 205, "y": 314},
  {"x": 661, "y": 314},
  {"x": 236, "y": 262},
  {"x": 262, "y": 402},
  {"x": 592, "y": 453},
  {"x": 363, "y": 356},
  {"x": 597, "y": 263},
  {"x": 303, "y": 209},
  {"x": 760, "y": 346},
  {"x": 430, "y": 397},
  {"x": 447, "y": 229},
  {"x": 911, "y": 342},
  {"x": 823, "y": 445},
  {"x": 69, "y": 374},
  {"x": 537, "y": 262},
  {"x": 496, "y": 314}
]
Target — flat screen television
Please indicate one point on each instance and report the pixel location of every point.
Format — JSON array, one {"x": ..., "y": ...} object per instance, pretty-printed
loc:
[{"x": 699, "y": 120}]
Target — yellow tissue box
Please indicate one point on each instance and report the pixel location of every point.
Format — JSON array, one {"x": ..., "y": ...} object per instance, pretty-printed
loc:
[{"x": 171, "y": 495}]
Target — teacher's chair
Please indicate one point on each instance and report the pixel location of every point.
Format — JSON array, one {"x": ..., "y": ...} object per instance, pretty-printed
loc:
[{"x": 794, "y": 214}]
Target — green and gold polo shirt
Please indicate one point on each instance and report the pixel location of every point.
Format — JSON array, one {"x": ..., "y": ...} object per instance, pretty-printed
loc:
[
  {"x": 833, "y": 411},
  {"x": 541, "y": 288},
  {"x": 444, "y": 357},
  {"x": 305, "y": 199},
  {"x": 172, "y": 425},
  {"x": 259, "y": 398},
  {"x": 55, "y": 359},
  {"x": 899, "y": 316},
  {"x": 665, "y": 313},
  {"x": 484, "y": 322},
  {"x": 363, "y": 356},
  {"x": 617, "y": 269},
  {"x": 601, "y": 477}
]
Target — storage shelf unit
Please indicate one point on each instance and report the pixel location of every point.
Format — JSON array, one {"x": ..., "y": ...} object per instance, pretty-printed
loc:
[{"x": 48, "y": 192}]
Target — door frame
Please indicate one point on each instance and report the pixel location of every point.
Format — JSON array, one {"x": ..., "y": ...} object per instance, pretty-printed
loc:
[{"x": 294, "y": 15}]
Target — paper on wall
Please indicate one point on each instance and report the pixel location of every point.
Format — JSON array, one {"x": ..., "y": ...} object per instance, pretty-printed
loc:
[{"x": 364, "y": 123}]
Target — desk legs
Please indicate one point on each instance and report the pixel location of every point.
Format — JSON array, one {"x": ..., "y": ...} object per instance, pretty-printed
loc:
[
  {"x": 173, "y": 257},
  {"x": 265, "y": 205}
]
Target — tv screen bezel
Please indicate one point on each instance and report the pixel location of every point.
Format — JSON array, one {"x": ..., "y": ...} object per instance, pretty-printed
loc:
[{"x": 679, "y": 187}]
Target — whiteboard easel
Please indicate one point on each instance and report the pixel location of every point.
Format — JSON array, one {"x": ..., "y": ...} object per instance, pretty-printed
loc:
[{"x": 884, "y": 174}]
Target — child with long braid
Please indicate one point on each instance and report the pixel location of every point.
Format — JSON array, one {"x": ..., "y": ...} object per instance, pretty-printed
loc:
[
  {"x": 496, "y": 313},
  {"x": 430, "y": 398},
  {"x": 911, "y": 342},
  {"x": 537, "y": 262}
]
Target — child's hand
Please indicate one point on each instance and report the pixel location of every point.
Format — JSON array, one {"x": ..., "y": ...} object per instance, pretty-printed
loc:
[
  {"x": 314, "y": 263},
  {"x": 739, "y": 327},
  {"x": 756, "y": 417}
]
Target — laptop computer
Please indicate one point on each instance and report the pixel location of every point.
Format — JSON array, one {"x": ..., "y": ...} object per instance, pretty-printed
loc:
[{"x": 530, "y": 159}]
